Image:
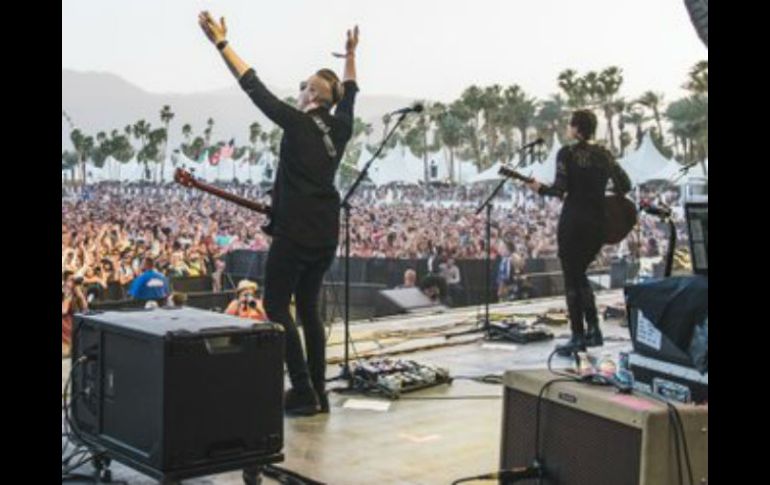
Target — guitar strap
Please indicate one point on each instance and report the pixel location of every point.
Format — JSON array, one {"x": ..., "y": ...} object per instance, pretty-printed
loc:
[{"x": 325, "y": 130}]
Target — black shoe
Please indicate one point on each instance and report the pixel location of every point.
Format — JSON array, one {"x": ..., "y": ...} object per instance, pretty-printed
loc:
[
  {"x": 575, "y": 344},
  {"x": 594, "y": 337},
  {"x": 300, "y": 403},
  {"x": 323, "y": 401}
]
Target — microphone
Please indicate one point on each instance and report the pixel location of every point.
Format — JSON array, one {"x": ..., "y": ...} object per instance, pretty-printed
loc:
[
  {"x": 539, "y": 141},
  {"x": 646, "y": 206},
  {"x": 415, "y": 108}
]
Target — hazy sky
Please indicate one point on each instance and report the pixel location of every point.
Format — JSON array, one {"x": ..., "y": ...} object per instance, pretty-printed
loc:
[{"x": 416, "y": 48}]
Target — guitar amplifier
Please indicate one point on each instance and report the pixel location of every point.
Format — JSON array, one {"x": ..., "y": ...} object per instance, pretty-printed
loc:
[
  {"x": 592, "y": 435},
  {"x": 178, "y": 392}
]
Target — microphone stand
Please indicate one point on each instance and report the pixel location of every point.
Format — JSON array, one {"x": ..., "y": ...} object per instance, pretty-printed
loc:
[
  {"x": 486, "y": 326},
  {"x": 346, "y": 373}
]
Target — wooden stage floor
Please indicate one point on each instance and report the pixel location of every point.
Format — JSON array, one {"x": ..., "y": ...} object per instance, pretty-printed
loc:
[{"x": 432, "y": 436}]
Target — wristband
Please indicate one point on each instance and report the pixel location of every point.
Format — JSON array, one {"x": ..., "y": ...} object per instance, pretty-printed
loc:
[{"x": 221, "y": 44}]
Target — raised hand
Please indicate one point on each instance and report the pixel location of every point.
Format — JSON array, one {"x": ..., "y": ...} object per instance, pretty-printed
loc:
[
  {"x": 350, "y": 43},
  {"x": 215, "y": 31}
]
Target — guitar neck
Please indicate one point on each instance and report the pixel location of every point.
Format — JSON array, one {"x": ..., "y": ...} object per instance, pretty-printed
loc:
[
  {"x": 513, "y": 174},
  {"x": 249, "y": 204}
]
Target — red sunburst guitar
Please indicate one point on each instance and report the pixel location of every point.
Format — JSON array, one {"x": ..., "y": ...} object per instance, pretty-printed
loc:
[
  {"x": 185, "y": 178},
  {"x": 620, "y": 213}
]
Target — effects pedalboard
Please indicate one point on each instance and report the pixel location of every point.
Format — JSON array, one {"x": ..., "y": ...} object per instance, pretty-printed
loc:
[
  {"x": 391, "y": 378},
  {"x": 518, "y": 332}
]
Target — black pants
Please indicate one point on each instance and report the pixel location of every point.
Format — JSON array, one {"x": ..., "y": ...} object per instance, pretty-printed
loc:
[
  {"x": 577, "y": 250},
  {"x": 293, "y": 269}
]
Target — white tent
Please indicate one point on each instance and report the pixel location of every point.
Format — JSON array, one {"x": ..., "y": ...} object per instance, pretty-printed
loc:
[
  {"x": 647, "y": 163},
  {"x": 242, "y": 169},
  {"x": 492, "y": 173},
  {"x": 545, "y": 172},
  {"x": 95, "y": 174},
  {"x": 132, "y": 171},
  {"x": 399, "y": 165},
  {"x": 466, "y": 171},
  {"x": 225, "y": 170},
  {"x": 463, "y": 170},
  {"x": 696, "y": 173},
  {"x": 169, "y": 167}
]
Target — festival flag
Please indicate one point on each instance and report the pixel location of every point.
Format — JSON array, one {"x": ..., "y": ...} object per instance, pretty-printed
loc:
[{"x": 227, "y": 150}]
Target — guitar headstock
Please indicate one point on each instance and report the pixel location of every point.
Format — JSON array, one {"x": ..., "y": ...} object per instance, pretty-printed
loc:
[
  {"x": 511, "y": 173},
  {"x": 183, "y": 177}
]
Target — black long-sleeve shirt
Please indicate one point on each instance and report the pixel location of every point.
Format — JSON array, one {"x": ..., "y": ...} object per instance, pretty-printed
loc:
[
  {"x": 582, "y": 172},
  {"x": 305, "y": 202}
]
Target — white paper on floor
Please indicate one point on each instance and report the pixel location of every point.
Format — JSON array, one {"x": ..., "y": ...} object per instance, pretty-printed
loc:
[
  {"x": 367, "y": 404},
  {"x": 499, "y": 346}
]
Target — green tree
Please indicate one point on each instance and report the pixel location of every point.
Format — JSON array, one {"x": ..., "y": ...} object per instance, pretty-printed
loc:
[
  {"x": 653, "y": 101},
  {"x": 698, "y": 81},
  {"x": 689, "y": 124},
  {"x": 166, "y": 115},
  {"x": 450, "y": 130},
  {"x": 84, "y": 147},
  {"x": 349, "y": 163},
  {"x": 574, "y": 87},
  {"x": 606, "y": 89},
  {"x": 552, "y": 117}
]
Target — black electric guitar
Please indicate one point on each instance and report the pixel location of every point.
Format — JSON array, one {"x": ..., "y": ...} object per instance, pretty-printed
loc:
[
  {"x": 619, "y": 211},
  {"x": 185, "y": 178}
]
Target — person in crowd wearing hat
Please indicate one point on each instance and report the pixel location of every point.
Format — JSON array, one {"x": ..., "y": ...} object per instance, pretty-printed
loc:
[{"x": 247, "y": 305}]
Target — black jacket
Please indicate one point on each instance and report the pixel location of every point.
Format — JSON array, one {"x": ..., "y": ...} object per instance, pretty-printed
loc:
[{"x": 305, "y": 203}]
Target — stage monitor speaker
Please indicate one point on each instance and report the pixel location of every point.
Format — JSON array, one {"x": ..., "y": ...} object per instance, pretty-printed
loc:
[
  {"x": 179, "y": 392},
  {"x": 409, "y": 300},
  {"x": 594, "y": 436}
]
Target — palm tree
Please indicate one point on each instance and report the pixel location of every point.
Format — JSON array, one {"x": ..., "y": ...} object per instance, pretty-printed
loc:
[
  {"x": 103, "y": 150},
  {"x": 653, "y": 101},
  {"x": 635, "y": 116},
  {"x": 255, "y": 131},
  {"x": 69, "y": 161},
  {"x": 607, "y": 85},
  {"x": 415, "y": 136},
  {"x": 492, "y": 102},
  {"x": 450, "y": 131},
  {"x": 207, "y": 132},
  {"x": 349, "y": 163},
  {"x": 689, "y": 123},
  {"x": 166, "y": 115},
  {"x": 84, "y": 146},
  {"x": 698, "y": 82},
  {"x": 469, "y": 109},
  {"x": 141, "y": 131},
  {"x": 520, "y": 112},
  {"x": 574, "y": 88},
  {"x": 551, "y": 118},
  {"x": 122, "y": 150}
]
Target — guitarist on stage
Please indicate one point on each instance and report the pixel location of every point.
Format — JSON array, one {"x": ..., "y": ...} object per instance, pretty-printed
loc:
[
  {"x": 305, "y": 206},
  {"x": 582, "y": 172}
]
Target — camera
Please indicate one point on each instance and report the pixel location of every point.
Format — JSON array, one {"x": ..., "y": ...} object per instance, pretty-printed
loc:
[
  {"x": 249, "y": 301},
  {"x": 77, "y": 280}
]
